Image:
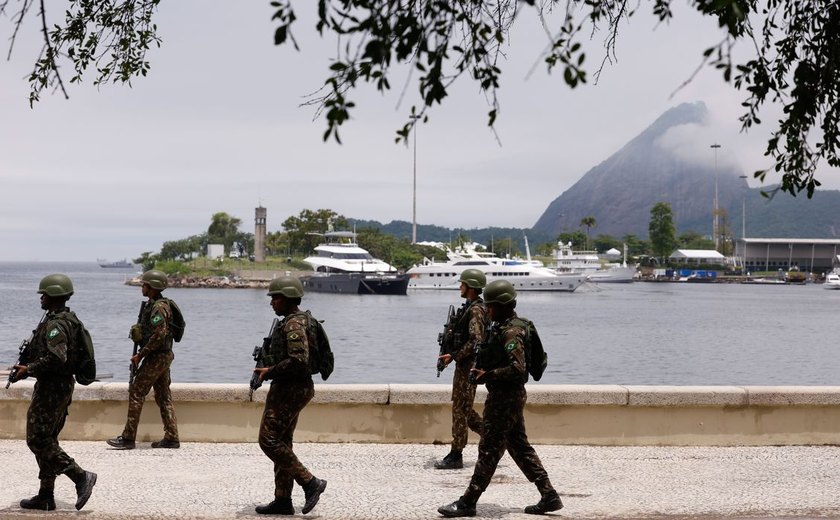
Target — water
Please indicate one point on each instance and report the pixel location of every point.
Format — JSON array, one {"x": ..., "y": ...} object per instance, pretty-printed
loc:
[{"x": 640, "y": 333}]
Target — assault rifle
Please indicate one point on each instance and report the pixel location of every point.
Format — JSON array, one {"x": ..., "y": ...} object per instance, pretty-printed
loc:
[
  {"x": 446, "y": 339},
  {"x": 259, "y": 356},
  {"x": 132, "y": 369},
  {"x": 490, "y": 333},
  {"x": 23, "y": 352}
]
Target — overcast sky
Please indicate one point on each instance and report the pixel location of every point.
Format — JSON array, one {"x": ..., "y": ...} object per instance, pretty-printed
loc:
[{"x": 217, "y": 126}]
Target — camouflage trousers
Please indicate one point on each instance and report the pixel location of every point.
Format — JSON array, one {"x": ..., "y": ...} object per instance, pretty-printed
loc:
[
  {"x": 44, "y": 421},
  {"x": 283, "y": 405},
  {"x": 504, "y": 429},
  {"x": 152, "y": 374},
  {"x": 463, "y": 414}
]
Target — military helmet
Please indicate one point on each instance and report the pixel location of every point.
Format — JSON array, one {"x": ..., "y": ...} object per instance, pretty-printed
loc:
[
  {"x": 288, "y": 286},
  {"x": 499, "y": 291},
  {"x": 473, "y": 278},
  {"x": 55, "y": 285},
  {"x": 155, "y": 279}
]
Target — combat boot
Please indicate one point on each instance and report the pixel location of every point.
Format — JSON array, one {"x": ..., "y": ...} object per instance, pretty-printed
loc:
[
  {"x": 457, "y": 508},
  {"x": 166, "y": 443},
  {"x": 453, "y": 460},
  {"x": 312, "y": 491},
  {"x": 84, "y": 487},
  {"x": 548, "y": 502},
  {"x": 39, "y": 501},
  {"x": 278, "y": 506},
  {"x": 121, "y": 443}
]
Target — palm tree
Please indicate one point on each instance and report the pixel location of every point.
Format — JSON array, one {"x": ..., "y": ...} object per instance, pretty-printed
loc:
[{"x": 589, "y": 222}]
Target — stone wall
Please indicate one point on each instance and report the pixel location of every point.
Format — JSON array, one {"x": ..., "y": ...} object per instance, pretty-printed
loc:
[{"x": 610, "y": 415}]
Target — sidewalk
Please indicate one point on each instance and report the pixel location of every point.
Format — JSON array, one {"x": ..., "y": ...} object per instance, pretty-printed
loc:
[{"x": 382, "y": 481}]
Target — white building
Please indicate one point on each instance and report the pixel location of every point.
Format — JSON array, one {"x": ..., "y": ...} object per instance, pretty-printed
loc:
[{"x": 697, "y": 256}]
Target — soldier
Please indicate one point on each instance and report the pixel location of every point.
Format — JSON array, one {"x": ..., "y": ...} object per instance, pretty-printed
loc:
[
  {"x": 154, "y": 334},
  {"x": 55, "y": 337},
  {"x": 287, "y": 365},
  {"x": 501, "y": 367},
  {"x": 470, "y": 322}
]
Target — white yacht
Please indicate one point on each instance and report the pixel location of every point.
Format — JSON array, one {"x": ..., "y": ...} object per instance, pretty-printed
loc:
[
  {"x": 589, "y": 264},
  {"x": 342, "y": 266},
  {"x": 524, "y": 275}
]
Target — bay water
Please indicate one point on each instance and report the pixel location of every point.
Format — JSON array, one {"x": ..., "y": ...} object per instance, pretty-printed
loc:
[{"x": 639, "y": 333}]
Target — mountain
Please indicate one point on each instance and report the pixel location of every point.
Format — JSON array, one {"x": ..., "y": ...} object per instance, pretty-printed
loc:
[{"x": 668, "y": 163}]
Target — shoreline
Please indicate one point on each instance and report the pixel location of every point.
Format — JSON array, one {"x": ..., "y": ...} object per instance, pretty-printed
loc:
[{"x": 239, "y": 280}]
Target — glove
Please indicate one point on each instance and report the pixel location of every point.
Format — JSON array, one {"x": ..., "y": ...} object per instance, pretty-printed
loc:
[{"x": 135, "y": 333}]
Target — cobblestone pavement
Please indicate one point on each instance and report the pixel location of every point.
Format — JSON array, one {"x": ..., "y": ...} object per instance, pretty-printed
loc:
[{"x": 378, "y": 481}]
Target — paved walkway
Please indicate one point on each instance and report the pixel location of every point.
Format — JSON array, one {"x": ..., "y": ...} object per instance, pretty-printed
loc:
[{"x": 376, "y": 481}]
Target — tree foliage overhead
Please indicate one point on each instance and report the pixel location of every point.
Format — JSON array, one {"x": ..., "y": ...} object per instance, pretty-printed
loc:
[{"x": 795, "y": 58}]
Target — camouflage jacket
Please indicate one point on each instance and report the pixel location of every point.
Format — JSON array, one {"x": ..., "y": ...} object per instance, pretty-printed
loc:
[
  {"x": 502, "y": 355},
  {"x": 157, "y": 336},
  {"x": 473, "y": 327},
  {"x": 50, "y": 345},
  {"x": 289, "y": 351}
]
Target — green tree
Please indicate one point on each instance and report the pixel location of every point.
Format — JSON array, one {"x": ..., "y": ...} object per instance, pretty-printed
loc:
[
  {"x": 575, "y": 237},
  {"x": 277, "y": 244},
  {"x": 636, "y": 246},
  {"x": 301, "y": 229},
  {"x": 663, "y": 234},
  {"x": 223, "y": 229},
  {"x": 604, "y": 243},
  {"x": 184, "y": 248},
  {"x": 588, "y": 222},
  {"x": 795, "y": 59},
  {"x": 694, "y": 240}
]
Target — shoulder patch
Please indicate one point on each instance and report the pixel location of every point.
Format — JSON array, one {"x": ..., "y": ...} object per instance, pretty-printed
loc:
[
  {"x": 53, "y": 333},
  {"x": 510, "y": 347},
  {"x": 294, "y": 335},
  {"x": 156, "y": 319}
]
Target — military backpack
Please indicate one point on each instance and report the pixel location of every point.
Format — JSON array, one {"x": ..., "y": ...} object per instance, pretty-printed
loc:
[
  {"x": 80, "y": 356},
  {"x": 177, "y": 325},
  {"x": 321, "y": 359},
  {"x": 536, "y": 359}
]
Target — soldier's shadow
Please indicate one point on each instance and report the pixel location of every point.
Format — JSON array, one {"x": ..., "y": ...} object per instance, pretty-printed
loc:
[{"x": 61, "y": 510}]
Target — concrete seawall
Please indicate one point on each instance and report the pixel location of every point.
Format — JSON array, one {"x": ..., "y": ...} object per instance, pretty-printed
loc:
[{"x": 606, "y": 415}]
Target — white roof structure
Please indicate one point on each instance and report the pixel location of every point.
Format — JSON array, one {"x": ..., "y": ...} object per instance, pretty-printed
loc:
[{"x": 697, "y": 255}]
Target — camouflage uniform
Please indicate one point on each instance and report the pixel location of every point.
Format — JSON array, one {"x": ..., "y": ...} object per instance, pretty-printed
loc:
[
  {"x": 51, "y": 399},
  {"x": 157, "y": 357},
  {"x": 471, "y": 325},
  {"x": 291, "y": 389},
  {"x": 503, "y": 359}
]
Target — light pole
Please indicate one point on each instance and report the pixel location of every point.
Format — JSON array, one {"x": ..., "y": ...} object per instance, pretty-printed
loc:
[
  {"x": 744, "y": 225},
  {"x": 715, "y": 223},
  {"x": 414, "y": 117}
]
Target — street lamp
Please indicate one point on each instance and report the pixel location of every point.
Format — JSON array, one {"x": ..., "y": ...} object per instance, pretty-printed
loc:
[
  {"x": 414, "y": 117},
  {"x": 744, "y": 223},
  {"x": 715, "y": 224}
]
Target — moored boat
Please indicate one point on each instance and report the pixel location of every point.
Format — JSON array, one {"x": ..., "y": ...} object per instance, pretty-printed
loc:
[
  {"x": 342, "y": 266},
  {"x": 589, "y": 264},
  {"x": 523, "y": 274}
]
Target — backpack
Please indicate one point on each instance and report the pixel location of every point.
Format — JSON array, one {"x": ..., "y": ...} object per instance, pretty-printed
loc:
[
  {"x": 536, "y": 359},
  {"x": 321, "y": 359},
  {"x": 178, "y": 324},
  {"x": 80, "y": 357}
]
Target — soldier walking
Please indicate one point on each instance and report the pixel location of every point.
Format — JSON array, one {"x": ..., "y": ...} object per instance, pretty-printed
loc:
[
  {"x": 287, "y": 364},
  {"x": 53, "y": 342},
  {"x": 501, "y": 367},
  {"x": 469, "y": 326},
  {"x": 154, "y": 334}
]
